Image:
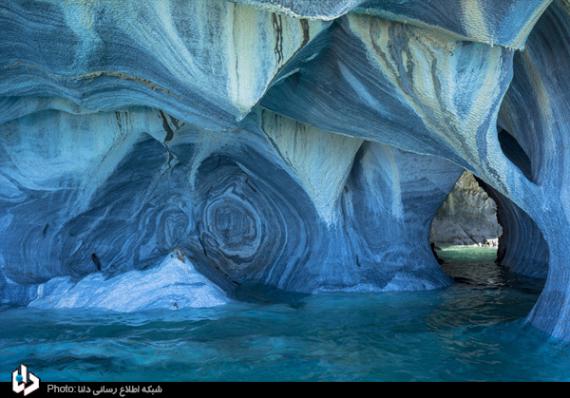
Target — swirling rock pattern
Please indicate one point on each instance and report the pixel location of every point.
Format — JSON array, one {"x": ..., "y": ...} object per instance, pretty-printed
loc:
[{"x": 301, "y": 144}]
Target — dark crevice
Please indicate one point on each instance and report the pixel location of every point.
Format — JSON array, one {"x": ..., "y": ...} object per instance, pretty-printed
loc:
[{"x": 516, "y": 154}]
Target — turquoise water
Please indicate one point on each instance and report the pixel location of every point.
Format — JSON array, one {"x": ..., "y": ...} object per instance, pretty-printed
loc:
[{"x": 473, "y": 330}]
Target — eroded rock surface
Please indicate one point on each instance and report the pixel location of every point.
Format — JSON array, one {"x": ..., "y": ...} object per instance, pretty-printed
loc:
[
  {"x": 305, "y": 145},
  {"x": 173, "y": 284}
]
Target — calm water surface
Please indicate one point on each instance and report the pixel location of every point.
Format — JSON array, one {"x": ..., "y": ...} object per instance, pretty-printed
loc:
[{"x": 473, "y": 330}]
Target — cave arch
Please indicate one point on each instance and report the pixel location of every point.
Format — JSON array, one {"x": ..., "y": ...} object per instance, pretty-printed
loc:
[
  {"x": 468, "y": 216},
  {"x": 465, "y": 232},
  {"x": 522, "y": 247},
  {"x": 496, "y": 221}
]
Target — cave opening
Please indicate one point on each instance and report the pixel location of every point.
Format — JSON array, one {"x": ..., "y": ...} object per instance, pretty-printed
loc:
[{"x": 465, "y": 232}]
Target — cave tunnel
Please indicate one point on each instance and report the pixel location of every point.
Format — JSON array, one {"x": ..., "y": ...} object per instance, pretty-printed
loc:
[
  {"x": 465, "y": 233},
  {"x": 247, "y": 190},
  {"x": 482, "y": 238}
]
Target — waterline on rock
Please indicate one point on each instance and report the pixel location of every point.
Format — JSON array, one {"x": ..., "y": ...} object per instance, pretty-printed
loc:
[
  {"x": 469, "y": 331},
  {"x": 173, "y": 284}
]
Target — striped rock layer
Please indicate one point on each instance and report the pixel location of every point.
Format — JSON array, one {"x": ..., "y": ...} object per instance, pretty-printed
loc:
[{"x": 303, "y": 145}]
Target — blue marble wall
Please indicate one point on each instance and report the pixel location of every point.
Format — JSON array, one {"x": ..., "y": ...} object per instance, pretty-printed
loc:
[{"x": 305, "y": 145}]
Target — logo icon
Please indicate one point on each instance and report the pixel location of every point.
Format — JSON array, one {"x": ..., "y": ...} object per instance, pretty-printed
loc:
[{"x": 21, "y": 380}]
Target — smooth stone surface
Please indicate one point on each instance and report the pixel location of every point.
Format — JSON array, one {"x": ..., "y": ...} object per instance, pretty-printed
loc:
[
  {"x": 173, "y": 284},
  {"x": 197, "y": 60},
  {"x": 302, "y": 145}
]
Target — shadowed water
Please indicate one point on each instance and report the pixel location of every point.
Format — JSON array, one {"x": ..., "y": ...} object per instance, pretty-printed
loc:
[{"x": 473, "y": 330}]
